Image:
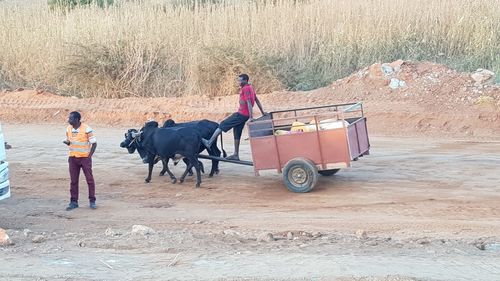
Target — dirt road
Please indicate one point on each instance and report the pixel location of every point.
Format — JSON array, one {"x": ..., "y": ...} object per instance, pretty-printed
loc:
[{"x": 430, "y": 210}]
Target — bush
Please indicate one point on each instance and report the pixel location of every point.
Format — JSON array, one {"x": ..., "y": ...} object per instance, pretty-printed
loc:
[
  {"x": 70, "y": 4},
  {"x": 122, "y": 70},
  {"x": 220, "y": 66}
]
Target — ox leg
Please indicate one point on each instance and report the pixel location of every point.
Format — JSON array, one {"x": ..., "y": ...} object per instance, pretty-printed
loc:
[
  {"x": 202, "y": 168},
  {"x": 190, "y": 170},
  {"x": 173, "y": 179},
  {"x": 197, "y": 168},
  {"x": 188, "y": 167},
  {"x": 214, "y": 151},
  {"x": 196, "y": 164},
  {"x": 150, "y": 170},
  {"x": 165, "y": 167}
]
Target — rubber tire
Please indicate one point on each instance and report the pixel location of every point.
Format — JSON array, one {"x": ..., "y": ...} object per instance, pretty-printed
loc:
[
  {"x": 328, "y": 173},
  {"x": 311, "y": 173}
]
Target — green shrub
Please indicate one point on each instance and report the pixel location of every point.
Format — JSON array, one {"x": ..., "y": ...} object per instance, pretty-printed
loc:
[{"x": 70, "y": 4}]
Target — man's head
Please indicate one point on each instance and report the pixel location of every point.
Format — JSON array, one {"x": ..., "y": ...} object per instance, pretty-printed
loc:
[
  {"x": 74, "y": 118},
  {"x": 243, "y": 79}
]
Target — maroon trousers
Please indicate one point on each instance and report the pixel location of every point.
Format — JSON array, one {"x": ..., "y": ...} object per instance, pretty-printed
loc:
[{"x": 74, "y": 171}]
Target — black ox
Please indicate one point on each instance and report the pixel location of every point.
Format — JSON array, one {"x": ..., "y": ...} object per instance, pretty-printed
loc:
[{"x": 204, "y": 128}]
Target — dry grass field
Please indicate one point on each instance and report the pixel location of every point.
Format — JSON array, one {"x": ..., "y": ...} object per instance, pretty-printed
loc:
[{"x": 174, "y": 48}]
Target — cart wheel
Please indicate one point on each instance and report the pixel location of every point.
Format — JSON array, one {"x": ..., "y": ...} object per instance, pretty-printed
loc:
[
  {"x": 328, "y": 173},
  {"x": 300, "y": 175}
]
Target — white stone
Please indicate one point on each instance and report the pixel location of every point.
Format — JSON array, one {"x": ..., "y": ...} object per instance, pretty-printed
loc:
[
  {"x": 230, "y": 232},
  {"x": 38, "y": 239},
  {"x": 110, "y": 232},
  {"x": 387, "y": 69},
  {"x": 483, "y": 76},
  {"x": 361, "y": 234},
  {"x": 394, "y": 84},
  {"x": 265, "y": 237},
  {"x": 142, "y": 229},
  {"x": 4, "y": 238}
]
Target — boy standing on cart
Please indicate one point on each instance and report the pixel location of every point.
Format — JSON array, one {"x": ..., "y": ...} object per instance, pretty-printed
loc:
[{"x": 237, "y": 120}]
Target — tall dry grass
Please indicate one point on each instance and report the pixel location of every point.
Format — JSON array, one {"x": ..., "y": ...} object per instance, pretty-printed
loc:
[{"x": 160, "y": 48}]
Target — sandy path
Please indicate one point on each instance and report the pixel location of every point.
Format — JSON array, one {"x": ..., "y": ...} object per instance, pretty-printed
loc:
[{"x": 424, "y": 204}]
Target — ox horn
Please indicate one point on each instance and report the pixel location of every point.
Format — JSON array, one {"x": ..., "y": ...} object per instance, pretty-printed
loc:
[{"x": 135, "y": 135}]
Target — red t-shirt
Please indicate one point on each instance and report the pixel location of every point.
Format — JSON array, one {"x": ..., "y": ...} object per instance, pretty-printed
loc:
[{"x": 247, "y": 93}]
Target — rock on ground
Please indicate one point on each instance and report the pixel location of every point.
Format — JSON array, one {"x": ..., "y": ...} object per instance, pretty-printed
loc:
[
  {"x": 142, "y": 229},
  {"x": 4, "y": 238},
  {"x": 265, "y": 237},
  {"x": 38, "y": 239},
  {"x": 361, "y": 234},
  {"x": 483, "y": 76}
]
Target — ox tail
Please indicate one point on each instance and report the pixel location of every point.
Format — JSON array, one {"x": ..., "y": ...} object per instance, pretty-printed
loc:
[{"x": 224, "y": 154}]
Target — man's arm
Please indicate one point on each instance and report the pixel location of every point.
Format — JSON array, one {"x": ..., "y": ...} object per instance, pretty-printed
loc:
[
  {"x": 92, "y": 140},
  {"x": 92, "y": 149},
  {"x": 249, "y": 105},
  {"x": 257, "y": 101},
  {"x": 66, "y": 142},
  {"x": 250, "y": 109}
]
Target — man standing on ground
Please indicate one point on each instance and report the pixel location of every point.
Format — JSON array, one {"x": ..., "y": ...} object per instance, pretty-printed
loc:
[
  {"x": 238, "y": 119},
  {"x": 82, "y": 144}
]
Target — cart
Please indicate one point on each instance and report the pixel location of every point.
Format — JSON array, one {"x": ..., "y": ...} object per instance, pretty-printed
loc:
[{"x": 304, "y": 143}]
